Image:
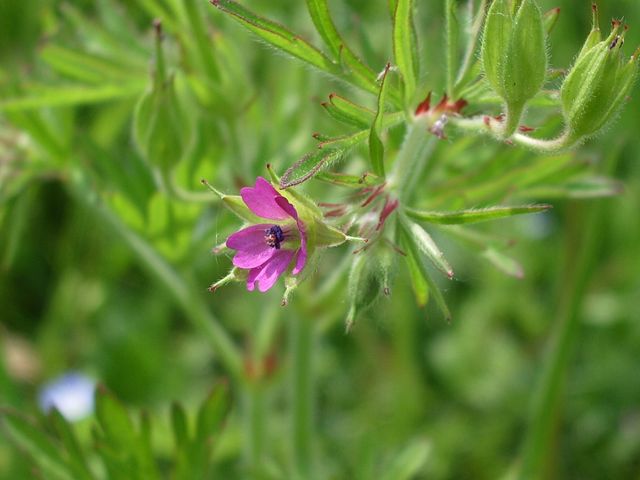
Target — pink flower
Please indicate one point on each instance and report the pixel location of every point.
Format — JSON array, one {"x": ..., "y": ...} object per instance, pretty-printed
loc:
[{"x": 267, "y": 249}]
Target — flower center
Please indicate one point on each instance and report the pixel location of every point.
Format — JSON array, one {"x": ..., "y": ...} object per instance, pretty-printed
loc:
[{"x": 273, "y": 236}]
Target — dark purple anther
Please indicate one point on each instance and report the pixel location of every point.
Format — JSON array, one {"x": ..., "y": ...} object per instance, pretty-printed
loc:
[{"x": 273, "y": 236}]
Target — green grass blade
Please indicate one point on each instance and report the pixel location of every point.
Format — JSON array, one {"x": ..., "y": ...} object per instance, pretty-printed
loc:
[
  {"x": 404, "y": 46},
  {"x": 278, "y": 36},
  {"x": 473, "y": 215}
]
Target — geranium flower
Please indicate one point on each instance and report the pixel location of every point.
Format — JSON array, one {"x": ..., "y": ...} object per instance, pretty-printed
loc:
[{"x": 267, "y": 249}]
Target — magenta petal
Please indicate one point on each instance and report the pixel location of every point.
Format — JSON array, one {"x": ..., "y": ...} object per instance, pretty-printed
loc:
[
  {"x": 301, "y": 259},
  {"x": 251, "y": 247},
  {"x": 267, "y": 274},
  {"x": 261, "y": 200},
  {"x": 284, "y": 204}
]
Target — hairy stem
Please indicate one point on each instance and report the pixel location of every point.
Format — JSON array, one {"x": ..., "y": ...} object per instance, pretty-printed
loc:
[
  {"x": 412, "y": 157},
  {"x": 489, "y": 126}
]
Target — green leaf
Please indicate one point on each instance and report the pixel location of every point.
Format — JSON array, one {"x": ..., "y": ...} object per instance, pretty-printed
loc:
[
  {"x": 404, "y": 47},
  {"x": 433, "y": 289},
  {"x": 70, "y": 95},
  {"x": 319, "y": 11},
  {"x": 278, "y": 36},
  {"x": 71, "y": 445},
  {"x": 211, "y": 415},
  {"x": 213, "y": 412},
  {"x": 418, "y": 282},
  {"x": 327, "y": 154},
  {"x": 489, "y": 248},
  {"x": 425, "y": 244},
  {"x": 352, "y": 181},
  {"x": 348, "y": 112},
  {"x": 503, "y": 262},
  {"x": 580, "y": 188},
  {"x": 115, "y": 421},
  {"x": 38, "y": 445},
  {"x": 473, "y": 215},
  {"x": 376, "y": 148},
  {"x": 409, "y": 462},
  {"x": 179, "y": 425}
]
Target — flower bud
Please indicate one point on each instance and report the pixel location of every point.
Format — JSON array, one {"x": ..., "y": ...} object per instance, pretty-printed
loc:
[
  {"x": 597, "y": 85},
  {"x": 159, "y": 125},
  {"x": 514, "y": 55}
]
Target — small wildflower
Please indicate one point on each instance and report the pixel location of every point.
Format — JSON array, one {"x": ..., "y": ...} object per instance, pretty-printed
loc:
[
  {"x": 267, "y": 249},
  {"x": 280, "y": 236},
  {"x": 71, "y": 394}
]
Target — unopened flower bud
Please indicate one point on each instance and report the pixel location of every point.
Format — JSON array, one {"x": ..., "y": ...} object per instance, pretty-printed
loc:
[
  {"x": 597, "y": 85},
  {"x": 159, "y": 126},
  {"x": 514, "y": 55}
]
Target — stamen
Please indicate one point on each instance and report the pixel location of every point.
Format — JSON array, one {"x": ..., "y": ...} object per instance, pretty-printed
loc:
[{"x": 273, "y": 236}]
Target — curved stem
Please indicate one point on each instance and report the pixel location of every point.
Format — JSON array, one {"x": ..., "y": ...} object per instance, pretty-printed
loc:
[{"x": 489, "y": 126}]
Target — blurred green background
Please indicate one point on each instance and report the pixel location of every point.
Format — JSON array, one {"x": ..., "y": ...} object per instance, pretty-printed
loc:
[{"x": 102, "y": 273}]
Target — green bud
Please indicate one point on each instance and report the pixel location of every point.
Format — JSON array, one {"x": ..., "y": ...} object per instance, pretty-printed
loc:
[
  {"x": 159, "y": 125},
  {"x": 597, "y": 85},
  {"x": 514, "y": 55}
]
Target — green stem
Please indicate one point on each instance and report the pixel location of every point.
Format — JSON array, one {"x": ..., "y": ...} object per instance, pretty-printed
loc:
[
  {"x": 180, "y": 288},
  {"x": 412, "y": 157},
  {"x": 489, "y": 126},
  {"x": 303, "y": 375}
]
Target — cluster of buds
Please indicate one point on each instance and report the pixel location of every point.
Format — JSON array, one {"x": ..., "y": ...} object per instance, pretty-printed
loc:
[
  {"x": 515, "y": 62},
  {"x": 599, "y": 82}
]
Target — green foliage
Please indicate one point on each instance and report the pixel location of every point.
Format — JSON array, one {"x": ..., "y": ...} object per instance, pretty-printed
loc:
[
  {"x": 107, "y": 129},
  {"x": 122, "y": 449}
]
